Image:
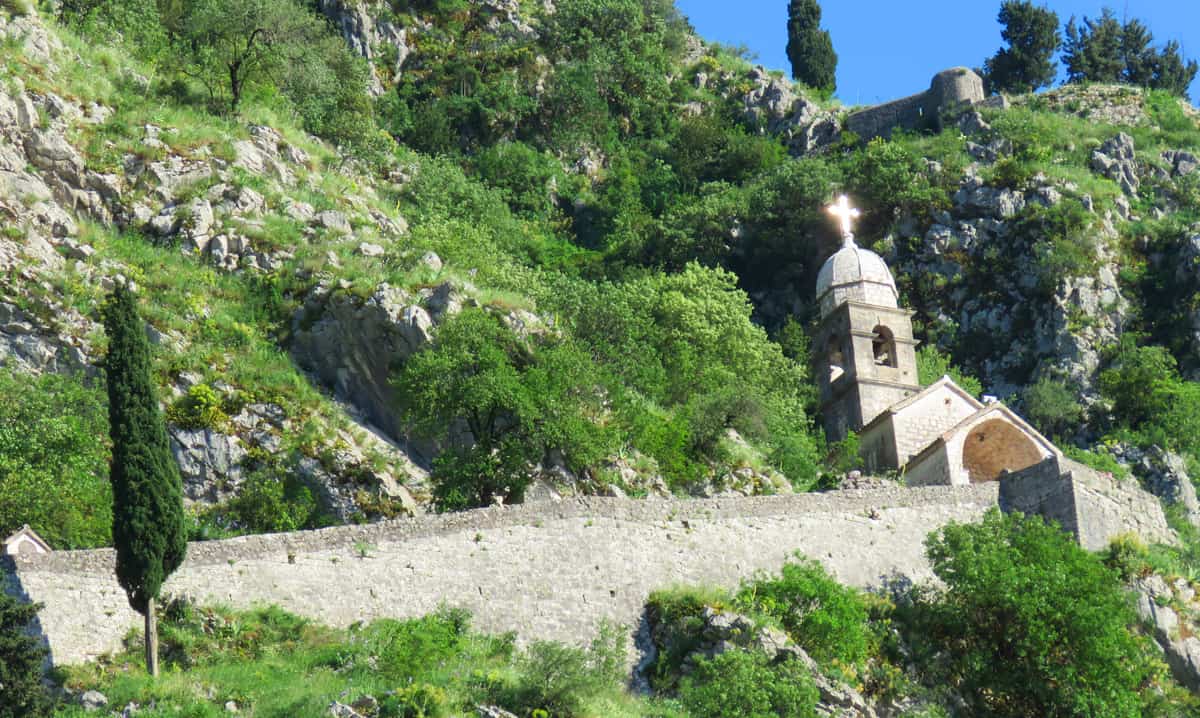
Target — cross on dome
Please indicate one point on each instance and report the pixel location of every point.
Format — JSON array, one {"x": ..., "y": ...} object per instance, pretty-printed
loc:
[{"x": 846, "y": 215}]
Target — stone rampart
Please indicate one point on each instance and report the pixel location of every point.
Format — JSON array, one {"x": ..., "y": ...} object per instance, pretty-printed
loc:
[
  {"x": 545, "y": 571},
  {"x": 948, "y": 88}
]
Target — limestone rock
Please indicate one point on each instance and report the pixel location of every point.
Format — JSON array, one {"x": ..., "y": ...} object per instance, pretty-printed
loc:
[
  {"x": 1116, "y": 160},
  {"x": 368, "y": 249},
  {"x": 333, "y": 221},
  {"x": 209, "y": 462},
  {"x": 352, "y": 346},
  {"x": 485, "y": 711},
  {"x": 93, "y": 701},
  {"x": 1164, "y": 474}
]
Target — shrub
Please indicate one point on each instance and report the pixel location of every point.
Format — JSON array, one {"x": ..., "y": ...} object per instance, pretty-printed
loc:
[
  {"x": 825, "y": 618},
  {"x": 200, "y": 408},
  {"x": 744, "y": 684},
  {"x": 419, "y": 700},
  {"x": 1128, "y": 556},
  {"x": 933, "y": 365},
  {"x": 270, "y": 503},
  {"x": 407, "y": 649},
  {"x": 558, "y": 680},
  {"x": 1028, "y": 622},
  {"x": 1053, "y": 406}
]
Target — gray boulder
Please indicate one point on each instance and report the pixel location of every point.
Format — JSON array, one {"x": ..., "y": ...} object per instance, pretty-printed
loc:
[
  {"x": 93, "y": 701},
  {"x": 209, "y": 463},
  {"x": 1117, "y": 161}
]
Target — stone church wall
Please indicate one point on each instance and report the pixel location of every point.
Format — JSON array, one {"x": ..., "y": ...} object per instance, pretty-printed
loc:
[{"x": 545, "y": 571}]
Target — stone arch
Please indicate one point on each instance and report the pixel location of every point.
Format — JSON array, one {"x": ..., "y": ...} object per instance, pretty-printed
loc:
[
  {"x": 883, "y": 347},
  {"x": 997, "y": 446}
]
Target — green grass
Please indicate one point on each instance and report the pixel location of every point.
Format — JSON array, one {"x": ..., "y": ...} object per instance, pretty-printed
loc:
[{"x": 274, "y": 664}]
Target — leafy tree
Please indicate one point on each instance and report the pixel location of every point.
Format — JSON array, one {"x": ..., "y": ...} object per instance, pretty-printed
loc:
[
  {"x": 519, "y": 400},
  {"x": 1032, "y": 36},
  {"x": 148, "y": 521},
  {"x": 1029, "y": 623},
  {"x": 809, "y": 48},
  {"x": 230, "y": 46},
  {"x": 21, "y": 657},
  {"x": 53, "y": 468}
]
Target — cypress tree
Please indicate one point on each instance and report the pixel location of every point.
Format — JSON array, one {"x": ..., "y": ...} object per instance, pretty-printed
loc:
[
  {"x": 148, "y": 523},
  {"x": 809, "y": 48},
  {"x": 21, "y": 657}
]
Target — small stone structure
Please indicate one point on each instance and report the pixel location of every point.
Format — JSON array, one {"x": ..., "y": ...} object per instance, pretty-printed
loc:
[
  {"x": 956, "y": 86},
  {"x": 1094, "y": 507},
  {"x": 24, "y": 542}
]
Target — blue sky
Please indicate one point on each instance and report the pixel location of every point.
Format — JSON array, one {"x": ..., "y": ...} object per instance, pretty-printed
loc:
[{"x": 888, "y": 49}]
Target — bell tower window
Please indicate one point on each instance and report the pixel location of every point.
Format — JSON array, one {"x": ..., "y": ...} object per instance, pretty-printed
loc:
[
  {"x": 836, "y": 359},
  {"x": 883, "y": 344}
]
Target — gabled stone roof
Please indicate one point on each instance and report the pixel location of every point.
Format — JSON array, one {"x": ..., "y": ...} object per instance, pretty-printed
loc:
[{"x": 25, "y": 536}]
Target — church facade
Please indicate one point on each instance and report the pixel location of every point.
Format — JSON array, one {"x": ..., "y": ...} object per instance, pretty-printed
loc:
[{"x": 866, "y": 366}]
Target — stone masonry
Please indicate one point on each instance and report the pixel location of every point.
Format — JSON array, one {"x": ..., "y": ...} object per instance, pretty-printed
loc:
[
  {"x": 958, "y": 85},
  {"x": 545, "y": 571},
  {"x": 554, "y": 571}
]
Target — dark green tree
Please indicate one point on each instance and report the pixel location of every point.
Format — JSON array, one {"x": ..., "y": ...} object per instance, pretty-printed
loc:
[
  {"x": 1171, "y": 72},
  {"x": 1032, "y": 36},
  {"x": 1092, "y": 51},
  {"x": 1106, "y": 50},
  {"x": 21, "y": 658},
  {"x": 809, "y": 48},
  {"x": 148, "y": 521}
]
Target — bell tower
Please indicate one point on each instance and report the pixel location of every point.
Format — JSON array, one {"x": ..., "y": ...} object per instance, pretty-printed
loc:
[{"x": 864, "y": 352}]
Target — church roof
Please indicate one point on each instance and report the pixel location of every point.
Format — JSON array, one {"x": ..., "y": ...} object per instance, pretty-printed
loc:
[
  {"x": 995, "y": 407},
  {"x": 25, "y": 536},
  {"x": 945, "y": 381},
  {"x": 853, "y": 265}
]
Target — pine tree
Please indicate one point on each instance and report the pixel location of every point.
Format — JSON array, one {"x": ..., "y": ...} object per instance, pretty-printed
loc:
[
  {"x": 1106, "y": 50},
  {"x": 1032, "y": 36},
  {"x": 148, "y": 523},
  {"x": 21, "y": 657},
  {"x": 1093, "y": 51},
  {"x": 1171, "y": 72},
  {"x": 809, "y": 48}
]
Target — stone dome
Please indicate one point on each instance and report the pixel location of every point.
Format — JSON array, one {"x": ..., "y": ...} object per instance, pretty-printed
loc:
[{"x": 855, "y": 274}]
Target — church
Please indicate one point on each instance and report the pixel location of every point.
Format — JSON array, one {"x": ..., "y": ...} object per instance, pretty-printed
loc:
[{"x": 866, "y": 367}]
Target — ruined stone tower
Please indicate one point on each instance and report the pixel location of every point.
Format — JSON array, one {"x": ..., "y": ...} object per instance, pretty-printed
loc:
[{"x": 864, "y": 350}]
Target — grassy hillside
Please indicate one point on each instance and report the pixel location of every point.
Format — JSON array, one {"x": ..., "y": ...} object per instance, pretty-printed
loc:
[{"x": 596, "y": 236}]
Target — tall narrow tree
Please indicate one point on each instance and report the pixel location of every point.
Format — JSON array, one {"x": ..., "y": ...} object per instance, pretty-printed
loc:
[
  {"x": 809, "y": 48},
  {"x": 148, "y": 522},
  {"x": 1032, "y": 36}
]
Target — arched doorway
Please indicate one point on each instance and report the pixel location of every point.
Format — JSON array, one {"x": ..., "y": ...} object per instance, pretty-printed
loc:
[{"x": 996, "y": 446}]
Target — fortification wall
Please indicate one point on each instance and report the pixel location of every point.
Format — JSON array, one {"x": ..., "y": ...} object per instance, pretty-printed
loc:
[
  {"x": 948, "y": 88},
  {"x": 545, "y": 571}
]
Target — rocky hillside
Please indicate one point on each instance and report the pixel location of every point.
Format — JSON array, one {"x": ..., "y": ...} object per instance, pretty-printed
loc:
[{"x": 638, "y": 216}]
